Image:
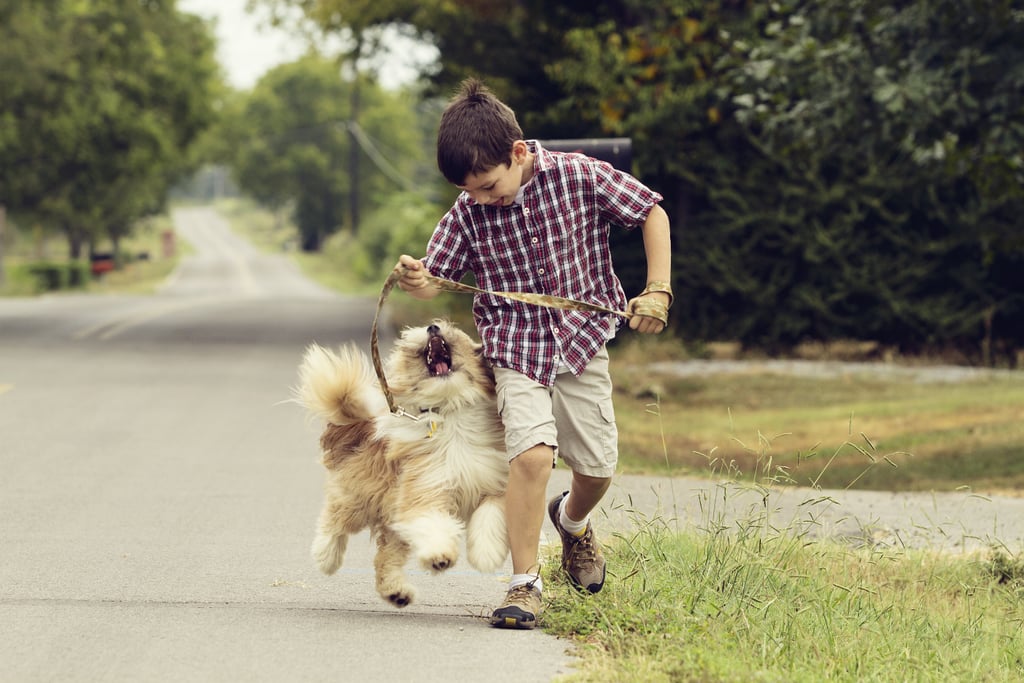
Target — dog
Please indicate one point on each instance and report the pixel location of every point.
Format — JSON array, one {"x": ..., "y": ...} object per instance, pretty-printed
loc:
[{"x": 423, "y": 486}]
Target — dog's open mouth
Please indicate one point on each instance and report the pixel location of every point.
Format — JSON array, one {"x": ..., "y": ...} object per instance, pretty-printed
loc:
[{"x": 438, "y": 355}]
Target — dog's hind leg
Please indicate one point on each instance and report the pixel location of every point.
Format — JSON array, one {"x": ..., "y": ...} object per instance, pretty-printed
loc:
[
  {"x": 487, "y": 535},
  {"x": 328, "y": 551},
  {"x": 388, "y": 565},
  {"x": 332, "y": 532}
]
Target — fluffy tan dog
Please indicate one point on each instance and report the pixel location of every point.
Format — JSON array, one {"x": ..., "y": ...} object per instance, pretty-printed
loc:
[{"x": 421, "y": 486}]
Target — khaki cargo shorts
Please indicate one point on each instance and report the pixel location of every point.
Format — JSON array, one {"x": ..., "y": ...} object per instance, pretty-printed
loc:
[{"x": 575, "y": 416}]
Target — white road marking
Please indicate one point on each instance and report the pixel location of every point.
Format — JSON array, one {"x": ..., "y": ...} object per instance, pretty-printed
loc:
[{"x": 108, "y": 329}]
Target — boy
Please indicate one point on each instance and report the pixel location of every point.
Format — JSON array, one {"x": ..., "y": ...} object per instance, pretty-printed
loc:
[{"x": 530, "y": 220}]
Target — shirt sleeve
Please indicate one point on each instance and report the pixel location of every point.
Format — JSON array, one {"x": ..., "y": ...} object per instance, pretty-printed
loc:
[
  {"x": 621, "y": 198},
  {"x": 448, "y": 251}
]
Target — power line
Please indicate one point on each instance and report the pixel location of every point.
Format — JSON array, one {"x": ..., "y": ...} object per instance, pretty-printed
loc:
[{"x": 376, "y": 157}]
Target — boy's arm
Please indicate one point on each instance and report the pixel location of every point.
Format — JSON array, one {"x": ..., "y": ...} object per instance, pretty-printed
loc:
[
  {"x": 658, "y": 248},
  {"x": 413, "y": 281}
]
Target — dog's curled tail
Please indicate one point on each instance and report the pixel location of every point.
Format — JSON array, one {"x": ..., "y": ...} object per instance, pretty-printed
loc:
[{"x": 339, "y": 387}]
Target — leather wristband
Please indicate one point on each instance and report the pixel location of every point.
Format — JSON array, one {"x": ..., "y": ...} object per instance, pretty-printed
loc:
[{"x": 661, "y": 287}]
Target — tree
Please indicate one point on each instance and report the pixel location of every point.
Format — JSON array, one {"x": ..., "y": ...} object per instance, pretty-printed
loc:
[
  {"x": 907, "y": 123},
  {"x": 832, "y": 169},
  {"x": 294, "y": 136},
  {"x": 102, "y": 99}
]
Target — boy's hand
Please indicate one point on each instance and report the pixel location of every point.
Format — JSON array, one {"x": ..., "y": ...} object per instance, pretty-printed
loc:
[
  {"x": 413, "y": 280},
  {"x": 649, "y": 312}
]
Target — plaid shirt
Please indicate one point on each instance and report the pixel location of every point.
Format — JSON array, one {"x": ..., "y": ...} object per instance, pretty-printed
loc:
[{"x": 553, "y": 241}]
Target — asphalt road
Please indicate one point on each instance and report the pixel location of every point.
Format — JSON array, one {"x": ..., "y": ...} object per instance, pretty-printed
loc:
[{"x": 158, "y": 496}]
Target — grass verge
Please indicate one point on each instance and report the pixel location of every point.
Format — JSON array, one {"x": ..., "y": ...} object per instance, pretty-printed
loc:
[
  {"x": 739, "y": 605},
  {"x": 923, "y": 435}
]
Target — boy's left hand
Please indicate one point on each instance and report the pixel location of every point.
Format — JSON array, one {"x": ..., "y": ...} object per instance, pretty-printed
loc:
[{"x": 649, "y": 312}]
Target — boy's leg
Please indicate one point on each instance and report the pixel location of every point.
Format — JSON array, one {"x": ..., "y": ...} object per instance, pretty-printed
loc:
[
  {"x": 524, "y": 505},
  {"x": 585, "y": 493},
  {"x": 588, "y": 438},
  {"x": 530, "y": 439}
]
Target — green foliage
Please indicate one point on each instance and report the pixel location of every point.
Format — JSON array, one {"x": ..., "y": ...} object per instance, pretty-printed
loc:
[
  {"x": 895, "y": 135},
  {"x": 100, "y": 102},
  {"x": 49, "y": 276},
  {"x": 832, "y": 169},
  {"x": 305, "y": 138}
]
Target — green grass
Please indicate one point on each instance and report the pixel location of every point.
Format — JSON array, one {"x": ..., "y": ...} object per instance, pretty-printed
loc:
[
  {"x": 833, "y": 432},
  {"x": 742, "y": 605}
]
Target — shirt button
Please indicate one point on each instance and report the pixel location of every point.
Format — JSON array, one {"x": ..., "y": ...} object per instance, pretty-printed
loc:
[
  {"x": 526, "y": 211},
  {"x": 541, "y": 271},
  {"x": 535, "y": 240}
]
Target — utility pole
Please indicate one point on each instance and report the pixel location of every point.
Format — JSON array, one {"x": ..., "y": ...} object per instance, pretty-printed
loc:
[
  {"x": 3, "y": 220},
  {"x": 353, "y": 149}
]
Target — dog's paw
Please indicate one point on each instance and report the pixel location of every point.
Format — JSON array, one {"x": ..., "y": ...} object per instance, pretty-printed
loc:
[
  {"x": 433, "y": 538},
  {"x": 328, "y": 552},
  {"x": 397, "y": 592},
  {"x": 440, "y": 561}
]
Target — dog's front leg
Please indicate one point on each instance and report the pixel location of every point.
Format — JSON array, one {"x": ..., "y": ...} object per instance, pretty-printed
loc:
[
  {"x": 388, "y": 564},
  {"x": 487, "y": 535}
]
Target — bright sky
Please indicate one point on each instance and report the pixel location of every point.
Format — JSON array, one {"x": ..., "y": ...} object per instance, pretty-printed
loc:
[{"x": 248, "y": 47}]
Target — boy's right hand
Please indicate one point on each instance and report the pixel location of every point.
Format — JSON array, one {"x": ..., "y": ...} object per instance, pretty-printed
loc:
[{"x": 413, "y": 278}]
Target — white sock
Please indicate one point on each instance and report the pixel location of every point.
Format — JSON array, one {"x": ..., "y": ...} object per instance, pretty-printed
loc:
[
  {"x": 523, "y": 579},
  {"x": 572, "y": 526}
]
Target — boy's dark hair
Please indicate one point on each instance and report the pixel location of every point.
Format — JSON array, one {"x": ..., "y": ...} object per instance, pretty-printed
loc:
[{"x": 476, "y": 133}]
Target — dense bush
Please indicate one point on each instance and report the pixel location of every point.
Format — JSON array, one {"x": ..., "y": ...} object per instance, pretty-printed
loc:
[{"x": 47, "y": 276}]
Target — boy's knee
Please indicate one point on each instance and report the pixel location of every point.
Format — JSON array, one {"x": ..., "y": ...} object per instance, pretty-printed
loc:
[
  {"x": 534, "y": 461},
  {"x": 591, "y": 484}
]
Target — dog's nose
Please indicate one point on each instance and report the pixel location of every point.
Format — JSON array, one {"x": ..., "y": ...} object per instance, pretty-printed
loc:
[{"x": 433, "y": 329}]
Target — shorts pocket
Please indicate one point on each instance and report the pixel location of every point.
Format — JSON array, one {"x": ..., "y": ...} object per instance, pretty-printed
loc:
[{"x": 610, "y": 442}]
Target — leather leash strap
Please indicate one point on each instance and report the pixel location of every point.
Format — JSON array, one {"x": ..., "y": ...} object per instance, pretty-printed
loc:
[{"x": 449, "y": 286}]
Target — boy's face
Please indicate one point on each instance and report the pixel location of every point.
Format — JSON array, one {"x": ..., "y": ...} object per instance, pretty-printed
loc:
[{"x": 499, "y": 185}]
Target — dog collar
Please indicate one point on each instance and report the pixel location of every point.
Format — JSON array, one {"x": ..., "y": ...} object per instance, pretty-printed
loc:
[{"x": 434, "y": 424}]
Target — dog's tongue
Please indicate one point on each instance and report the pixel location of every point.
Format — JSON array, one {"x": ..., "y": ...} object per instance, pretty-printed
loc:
[{"x": 441, "y": 368}]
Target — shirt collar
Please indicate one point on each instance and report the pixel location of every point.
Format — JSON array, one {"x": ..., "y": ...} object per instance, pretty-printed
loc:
[{"x": 541, "y": 163}]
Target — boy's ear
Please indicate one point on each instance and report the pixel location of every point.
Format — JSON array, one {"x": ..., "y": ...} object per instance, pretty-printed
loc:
[{"x": 520, "y": 151}]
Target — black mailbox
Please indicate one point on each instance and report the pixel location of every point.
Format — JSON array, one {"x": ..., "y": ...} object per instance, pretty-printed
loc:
[{"x": 616, "y": 151}]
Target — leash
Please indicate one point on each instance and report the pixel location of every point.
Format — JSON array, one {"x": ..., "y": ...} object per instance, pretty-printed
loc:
[{"x": 547, "y": 300}]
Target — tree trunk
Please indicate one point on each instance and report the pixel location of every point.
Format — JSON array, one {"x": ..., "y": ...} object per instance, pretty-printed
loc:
[
  {"x": 354, "y": 152},
  {"x": 3, "y": 221},
  {"x": 75, "y": 242}
]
